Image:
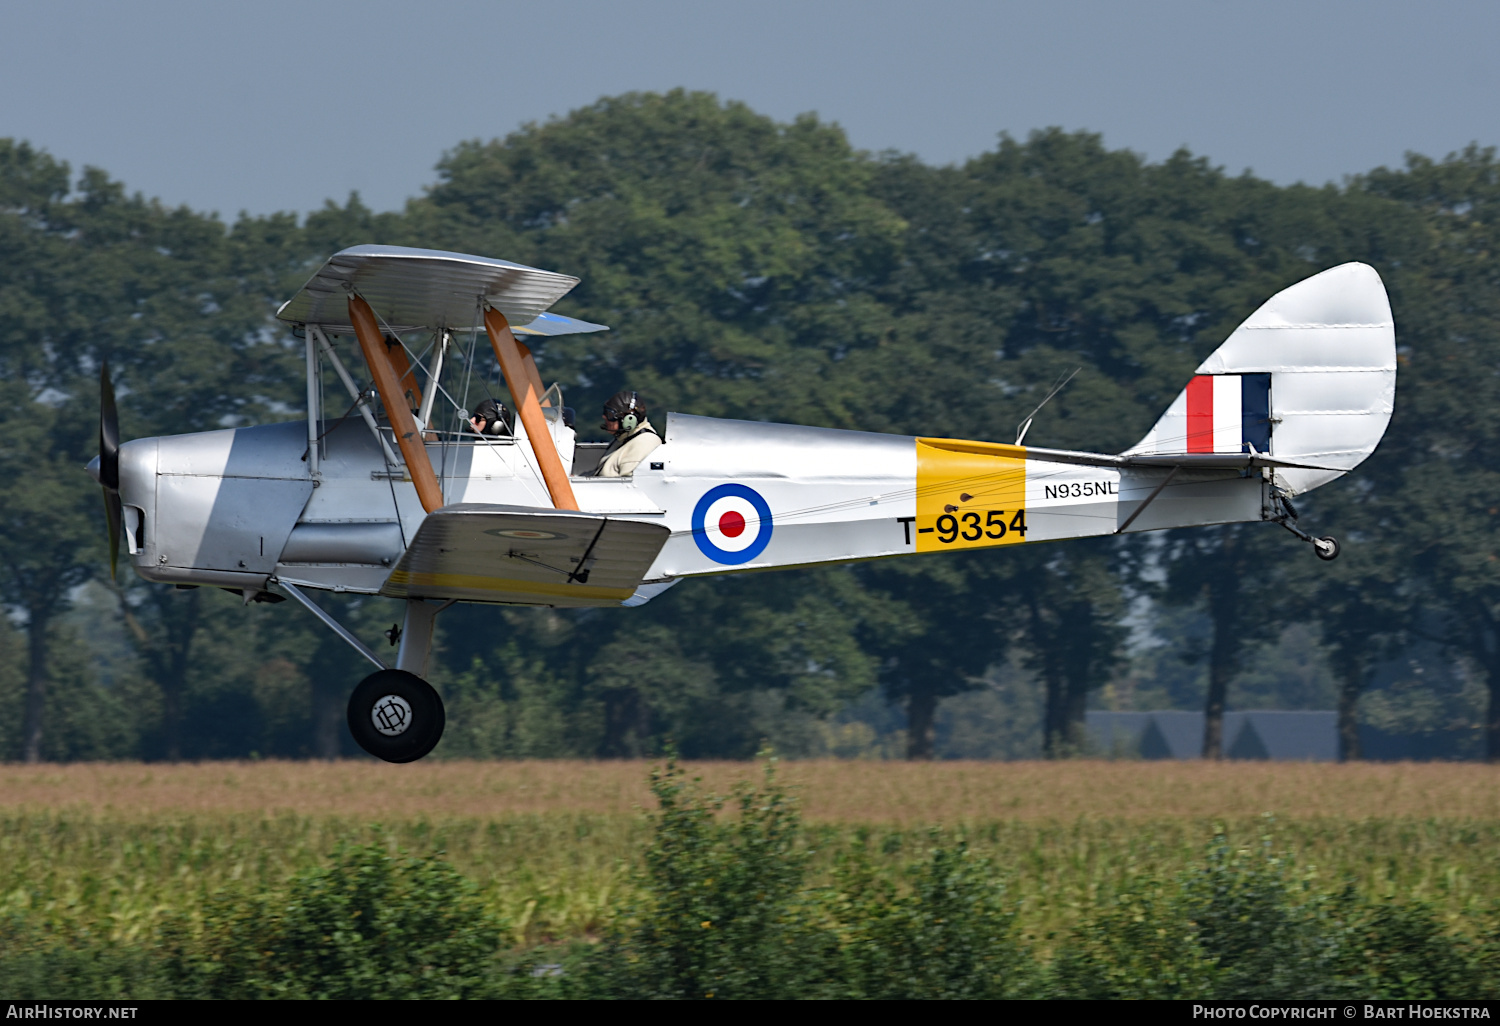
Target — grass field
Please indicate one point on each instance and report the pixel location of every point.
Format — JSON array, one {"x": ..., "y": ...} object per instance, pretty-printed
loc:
[
  {"x": 107, "y": 850},
  {"x": 946, "y": 793}
]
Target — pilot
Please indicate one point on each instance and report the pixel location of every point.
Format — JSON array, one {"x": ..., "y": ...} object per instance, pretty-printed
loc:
[
  {"x": 490, "y": 419},
  {"x": 625, "y": 418}
]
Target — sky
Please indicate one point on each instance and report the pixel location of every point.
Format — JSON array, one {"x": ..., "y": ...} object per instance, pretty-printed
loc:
[{"x": 279, "y": 105}]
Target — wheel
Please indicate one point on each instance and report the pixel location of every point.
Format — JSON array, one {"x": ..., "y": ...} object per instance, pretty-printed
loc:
[
  {"x": 396, "y": 716},
  {"x": 1326, "y": 547}
]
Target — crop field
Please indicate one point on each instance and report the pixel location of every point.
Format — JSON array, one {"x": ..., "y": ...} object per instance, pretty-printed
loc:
[
  {"x": 106, "y": 851},
  {"x": 935, "y": 793}
]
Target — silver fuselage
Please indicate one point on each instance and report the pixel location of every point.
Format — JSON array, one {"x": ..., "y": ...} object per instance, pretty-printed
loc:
[{"x": 240, "y": 507}]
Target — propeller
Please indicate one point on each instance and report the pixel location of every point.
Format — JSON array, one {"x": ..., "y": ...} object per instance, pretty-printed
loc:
[{"x": 109, "y": 463}]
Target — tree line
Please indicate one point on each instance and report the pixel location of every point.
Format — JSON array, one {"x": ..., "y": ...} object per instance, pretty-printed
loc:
[{"x": 765, "y": 271}]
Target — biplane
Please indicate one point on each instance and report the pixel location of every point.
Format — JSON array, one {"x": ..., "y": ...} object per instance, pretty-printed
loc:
[{"x": 399, "y": 497}]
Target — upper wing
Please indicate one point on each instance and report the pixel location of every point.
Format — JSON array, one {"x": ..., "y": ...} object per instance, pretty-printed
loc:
[
  {"x": 557, "y": 324},
  {"x": 517, "y": 554},
  {"x": 424, "y": 288}
]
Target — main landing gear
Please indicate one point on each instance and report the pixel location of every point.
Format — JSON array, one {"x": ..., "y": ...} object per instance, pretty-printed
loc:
[
  {"x": 394, "y": 714},
  {"x": 1325, "y": 548}
]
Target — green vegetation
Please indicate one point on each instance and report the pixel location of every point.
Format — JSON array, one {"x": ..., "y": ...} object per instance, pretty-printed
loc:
[
  {"x": 750, "y": 268},
  {"x": 738, "y": 898},
  {"x": 762, "y": 270}
]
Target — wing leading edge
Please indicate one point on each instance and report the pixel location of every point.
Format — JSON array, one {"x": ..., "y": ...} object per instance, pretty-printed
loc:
[{"x": 425, "y": 288}]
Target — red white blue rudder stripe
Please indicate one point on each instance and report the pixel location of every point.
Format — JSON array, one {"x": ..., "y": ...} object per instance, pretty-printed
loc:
[
  {"x": 1216, "y": 413},
  {"x": 1228, "y": 413}
]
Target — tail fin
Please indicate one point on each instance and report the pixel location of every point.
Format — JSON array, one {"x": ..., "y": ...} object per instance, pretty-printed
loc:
[{"x": 1309, "y": 378}]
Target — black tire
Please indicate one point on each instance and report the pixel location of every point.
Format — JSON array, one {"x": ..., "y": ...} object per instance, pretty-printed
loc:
[
  {"x": 388, "y": 697},
  {"x": 1333, "y": 548}
]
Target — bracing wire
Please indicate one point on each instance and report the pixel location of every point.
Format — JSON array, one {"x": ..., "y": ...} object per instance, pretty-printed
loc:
[
  {"x": 1025, "y": 425},
  {"x": 980, "y": 484}
]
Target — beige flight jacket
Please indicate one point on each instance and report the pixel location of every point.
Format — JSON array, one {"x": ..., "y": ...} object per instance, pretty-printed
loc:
[{"x": 624, "y": 453}]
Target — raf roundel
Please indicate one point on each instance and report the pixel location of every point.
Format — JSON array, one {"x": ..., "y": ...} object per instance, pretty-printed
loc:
[{"x": 732, "y": 524}]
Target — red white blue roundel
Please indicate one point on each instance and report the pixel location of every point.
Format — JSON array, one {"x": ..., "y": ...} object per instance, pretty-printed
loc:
[{"x": 732, "y": 524}]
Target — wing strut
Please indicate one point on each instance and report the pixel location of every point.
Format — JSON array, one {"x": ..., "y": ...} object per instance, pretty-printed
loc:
[
  {"x": 353, "y": 390},
  {"x": 337, "y": 628},
  {"x": 1149, "y": 500},
  {"x": 388, "y": 382},
  {"x": 525, "y": 386},
  {"x": 404, "y": 374}
]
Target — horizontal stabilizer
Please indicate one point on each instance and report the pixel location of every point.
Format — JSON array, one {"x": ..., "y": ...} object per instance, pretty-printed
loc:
[
  {"x": 518, "y": 554},
  {"x": 1185, "y": 460}
]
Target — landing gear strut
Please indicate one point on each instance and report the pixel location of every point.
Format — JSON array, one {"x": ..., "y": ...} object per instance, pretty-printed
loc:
[
  {"x": 394, "y": 714},
  {"x": 1326, "y": 548}
]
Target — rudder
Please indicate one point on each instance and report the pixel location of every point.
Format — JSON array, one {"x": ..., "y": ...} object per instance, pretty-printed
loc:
[{"x": 1309, "y": 378}]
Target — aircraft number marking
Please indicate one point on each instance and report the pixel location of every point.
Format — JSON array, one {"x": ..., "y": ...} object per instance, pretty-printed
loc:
[
  {"x": 1080, "y": 489},
  {"x": 906, "y": 523},
  {"x": 970, "y": 527}
]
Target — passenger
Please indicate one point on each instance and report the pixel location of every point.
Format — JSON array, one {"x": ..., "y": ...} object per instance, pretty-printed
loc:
[
  {"x": 625, "y": 418},
  {"x": 490, "y": 419}
]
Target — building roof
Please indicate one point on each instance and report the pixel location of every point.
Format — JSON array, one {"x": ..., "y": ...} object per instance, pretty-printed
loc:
[{"x": 1175, "y": 734}]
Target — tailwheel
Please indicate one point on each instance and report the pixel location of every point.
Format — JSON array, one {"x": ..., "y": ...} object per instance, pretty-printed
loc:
[{"x": 396, "y": 716}]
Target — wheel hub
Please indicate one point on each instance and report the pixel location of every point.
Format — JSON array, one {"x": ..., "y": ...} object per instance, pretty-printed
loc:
[{"x": 391, "y": 715}]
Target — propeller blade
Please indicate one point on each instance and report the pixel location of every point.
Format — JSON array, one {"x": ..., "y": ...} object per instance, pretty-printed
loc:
[
  {"x": 114, "y": 513},
  {"x": 109, "y": 464},
  {"x": 109, "y": 432}
]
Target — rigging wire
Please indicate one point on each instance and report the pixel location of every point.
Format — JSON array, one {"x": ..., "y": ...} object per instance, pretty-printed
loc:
[{"x": 996, "y": 480}]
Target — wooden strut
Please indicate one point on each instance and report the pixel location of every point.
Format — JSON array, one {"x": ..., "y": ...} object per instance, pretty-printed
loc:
[
  {"x": 404, "y": 374},
  {"x": 525, "y": 386},
  {"x": 392, "y": 395},
  {"x": 532, "y": 374}
]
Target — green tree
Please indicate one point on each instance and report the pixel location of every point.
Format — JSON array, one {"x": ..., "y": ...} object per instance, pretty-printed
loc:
[
  {"x": 1364, "y": 604},
  {"x": 732, "y": 257},
  {"x": 92, "y": 274},
  {"x": 1233, "y": 571},
  {"x": 1438, "y": 469},
  {"x": 757, "y": 269},
  {"x": 50, "y": 543},
  {"x": 1073, "y": 602},
  {"x": 937, "y": 632},
  {"x": 737, "y": 261}
]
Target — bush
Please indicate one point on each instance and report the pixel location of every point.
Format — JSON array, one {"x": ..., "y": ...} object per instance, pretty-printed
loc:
[
  {"x": 726, "y": 912},
  {"x": 369, "y": 925},
  {"x": 727, "y": 915},
  {"x": 1400, "y": 952},
  {"x": 951, "y": 936},
  {"x": 724, "y": 915},
  {"x": 36, "y": 966},
  {"x": 1268, "y": 934},
  {"x": 1137, "y": 943},
  {"x": 1244, "y": 926}
]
